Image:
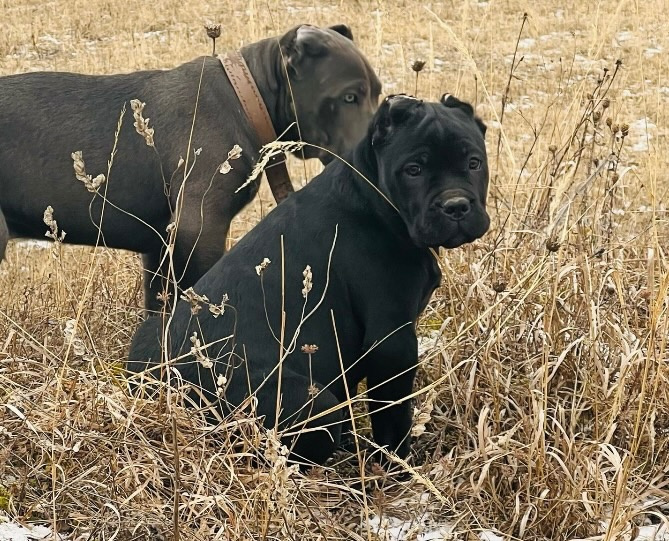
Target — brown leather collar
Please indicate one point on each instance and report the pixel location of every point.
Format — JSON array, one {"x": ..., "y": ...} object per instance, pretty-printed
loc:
[{"x": 256, "y": 111}]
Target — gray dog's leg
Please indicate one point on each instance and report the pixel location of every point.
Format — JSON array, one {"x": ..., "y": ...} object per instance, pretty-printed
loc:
[
  {"x": 154, "y": 281},
  {"x": 195, "y": 252},
  {"x": 201, "y": 235},
  {"x": 4, "y": 235}
]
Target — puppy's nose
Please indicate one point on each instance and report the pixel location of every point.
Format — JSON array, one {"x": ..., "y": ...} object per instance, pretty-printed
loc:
[{"x": 456, "y": 208}]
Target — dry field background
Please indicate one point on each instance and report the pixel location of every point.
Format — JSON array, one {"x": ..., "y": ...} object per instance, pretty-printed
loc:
[{"x": 544, "y": 382}]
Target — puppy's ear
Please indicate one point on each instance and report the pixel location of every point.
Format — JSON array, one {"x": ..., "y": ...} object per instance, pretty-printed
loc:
[
  {"x": 303, "y": 42},
  {"x": 451, "y": 101},
  {"x": 394, "y": 110},
  {"x": 344, "y": 30}
]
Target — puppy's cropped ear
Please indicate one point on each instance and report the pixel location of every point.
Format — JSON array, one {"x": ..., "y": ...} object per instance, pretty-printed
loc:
[
  {"x": 451, "y": 101},
  {"x": 302, "y": 42},
  {"x": 394, "y": 110},
  {"x": 344, "y": 30}
]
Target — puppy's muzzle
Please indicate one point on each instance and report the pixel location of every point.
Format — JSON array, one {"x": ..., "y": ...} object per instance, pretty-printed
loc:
[{"x": 455, "y": 208}]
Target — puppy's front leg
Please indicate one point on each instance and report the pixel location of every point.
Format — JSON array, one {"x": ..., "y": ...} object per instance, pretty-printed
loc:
[{"x": 389, "y": 407}]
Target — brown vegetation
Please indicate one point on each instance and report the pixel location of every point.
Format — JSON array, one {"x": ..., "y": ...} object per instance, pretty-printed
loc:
[{"x": 544, "y": 386}]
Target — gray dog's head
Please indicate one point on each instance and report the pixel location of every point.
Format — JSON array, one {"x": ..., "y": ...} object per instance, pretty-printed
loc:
[
  {"x": 335, "y": 91},
  {"x": 432, "y": 165}
]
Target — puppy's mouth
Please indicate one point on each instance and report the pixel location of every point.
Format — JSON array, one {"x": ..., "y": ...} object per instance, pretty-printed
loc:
[{"x": 439, "y": 230}]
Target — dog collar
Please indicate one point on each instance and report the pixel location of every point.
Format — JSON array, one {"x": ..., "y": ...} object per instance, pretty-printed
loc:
[{"x": 249, "y": 96}]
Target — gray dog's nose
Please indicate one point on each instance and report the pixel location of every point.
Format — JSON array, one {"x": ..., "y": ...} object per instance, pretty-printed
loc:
[{"x": 456, "y": 208}]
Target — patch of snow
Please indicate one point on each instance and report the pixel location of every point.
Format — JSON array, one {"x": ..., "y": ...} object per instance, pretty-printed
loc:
[
  {"x": 653, "y": 533},
  {"x": 652, "y": 51},
  {"x": 304, "y": 9},
  {"x": 625, "y": 35},
  {"x": 389, "y": 528},
  {"x": 490, "y": 536},
  {"x": 641, "y": 133},
  {"x": 556, "y": 36},
  {"x": 527, "y": 43},
  {"x": 10, "y": 531},
  {"x": 35, "y": 244},
  {"x": 427, "y": 342},
  {"x": 48, "y": 38},
  {"x": 161, "y": 35}
]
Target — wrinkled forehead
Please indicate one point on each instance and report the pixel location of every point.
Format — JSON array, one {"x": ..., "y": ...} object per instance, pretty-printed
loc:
[{"x": 443, "y": 129}]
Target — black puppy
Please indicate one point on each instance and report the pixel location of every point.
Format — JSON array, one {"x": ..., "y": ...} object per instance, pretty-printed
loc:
[{"x": 350, "y": 270}]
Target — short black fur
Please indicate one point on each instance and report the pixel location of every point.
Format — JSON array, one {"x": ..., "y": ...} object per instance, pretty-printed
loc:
[{"x": 372, "y": 275}]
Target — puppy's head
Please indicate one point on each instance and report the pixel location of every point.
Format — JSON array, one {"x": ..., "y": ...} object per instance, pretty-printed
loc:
[
  {"x": 334, "y": 88},
  {"x": 432, "y": 165}
]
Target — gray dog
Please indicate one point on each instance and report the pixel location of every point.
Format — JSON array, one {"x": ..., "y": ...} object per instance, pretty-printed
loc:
[
  {"x": 45, "y": 117},
  {"x": 350, "y": 267}
]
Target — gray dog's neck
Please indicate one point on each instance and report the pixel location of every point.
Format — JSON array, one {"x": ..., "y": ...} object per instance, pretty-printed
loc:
[{"x": 266, "y": 66}]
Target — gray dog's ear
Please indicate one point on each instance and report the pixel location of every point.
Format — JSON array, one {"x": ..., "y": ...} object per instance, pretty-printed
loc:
[
  {"x": 451, "y": 101},
  {"x": 394, "y": 110},
  {"x": 301, "y": 42},
  {"x": 344, "y": 30}
]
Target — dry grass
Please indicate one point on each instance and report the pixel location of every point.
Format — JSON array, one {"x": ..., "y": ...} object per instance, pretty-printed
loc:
[{"x": 547, "y": 368}]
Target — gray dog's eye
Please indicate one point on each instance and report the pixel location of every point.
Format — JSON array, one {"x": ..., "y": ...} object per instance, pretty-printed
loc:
[
  {"x": 475, "y": 164},
  {"x": 350, "y": 98},
  {"x": 413, "y": 170}
]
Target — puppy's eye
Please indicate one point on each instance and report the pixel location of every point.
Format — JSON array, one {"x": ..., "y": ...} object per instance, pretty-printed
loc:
[
  {"x": 475, "y": 164},
  {"x": 350, "y": 98},
  {"x": 413, "y": 170}
]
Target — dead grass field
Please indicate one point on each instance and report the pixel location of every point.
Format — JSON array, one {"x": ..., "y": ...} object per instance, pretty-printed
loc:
[{"x": 545, "y": 375}]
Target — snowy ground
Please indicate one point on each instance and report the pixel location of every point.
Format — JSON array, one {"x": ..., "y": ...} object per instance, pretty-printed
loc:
[{"x": 386, "y": 529}]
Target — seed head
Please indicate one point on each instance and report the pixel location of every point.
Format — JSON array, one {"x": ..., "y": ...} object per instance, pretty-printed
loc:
[
  {"x": 196, "y": 351},
  {"x": 221, "y": 381},
  {"x": 418, "y": 65},
  {"x": 499, "y": 286},
  {"x": 194, "y": 300},
  {"x": 70, "y": 333},
  {"x": 213, "y": 30},
  {"x": 609, "y": 122},
  {"x": 234, "y": 154},
  {"x": 218, "y": 309},
  {"x": 92, "y": 184},
  {"x": 552, "y": 245},
  {"x": 625, "y": 129},
  {"x": 306, "y": 283},
  {"x": 263, "y": 265},
  {"x": 605, "y": 103},
  {"x": 141, "y": 124},
  {"x": 309, "y": 348},
  {"x": 53, "y": 225}
]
